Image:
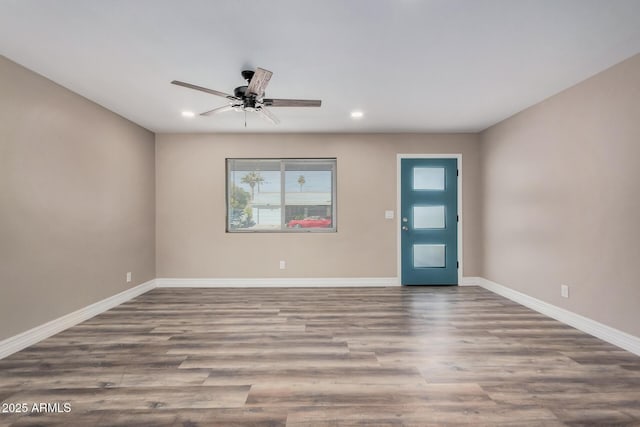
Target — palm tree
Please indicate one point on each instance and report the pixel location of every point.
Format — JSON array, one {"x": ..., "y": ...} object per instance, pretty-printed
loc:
[
  {"x": 301, "y": 181},
  {"x": 252, "y": 178}
]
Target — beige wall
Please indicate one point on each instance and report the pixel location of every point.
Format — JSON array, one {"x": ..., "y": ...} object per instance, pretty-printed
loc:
[
  {"x": 562, "y": 198},
  {"x": 190, "y": 184},
  {"x": 76, "y": 201}
]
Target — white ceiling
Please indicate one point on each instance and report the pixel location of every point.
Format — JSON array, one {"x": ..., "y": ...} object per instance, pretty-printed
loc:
[{"x": 410, "y": 65}]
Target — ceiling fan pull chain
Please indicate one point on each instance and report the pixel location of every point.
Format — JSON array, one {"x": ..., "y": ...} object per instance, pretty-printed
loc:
[{"x": 245, "y": 118}]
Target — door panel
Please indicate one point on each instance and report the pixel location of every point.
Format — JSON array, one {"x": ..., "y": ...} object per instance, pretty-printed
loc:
[{"x": 429, "y": 221}]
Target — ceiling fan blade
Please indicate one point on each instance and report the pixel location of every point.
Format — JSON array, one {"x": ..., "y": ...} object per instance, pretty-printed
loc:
[
  {"x": 259, "y": 81},
  {"x": 292, "y": 102},
  {"x": 203, "y": 89},
  {"x": 217, "y": 110},
  {"x": 268, "y": 115}
]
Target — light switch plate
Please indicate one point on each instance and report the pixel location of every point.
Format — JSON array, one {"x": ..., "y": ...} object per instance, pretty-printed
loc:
[{"x": 388, "y": 214}]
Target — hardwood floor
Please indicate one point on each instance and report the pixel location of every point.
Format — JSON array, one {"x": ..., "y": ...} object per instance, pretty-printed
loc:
[{"x": 419, "y": 356}]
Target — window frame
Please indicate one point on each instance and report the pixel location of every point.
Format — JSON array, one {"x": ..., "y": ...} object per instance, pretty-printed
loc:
[{"x": 283, "y": 161}]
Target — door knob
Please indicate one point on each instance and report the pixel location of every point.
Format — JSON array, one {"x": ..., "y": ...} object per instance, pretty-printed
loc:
[{"x": 405, "y": 228}]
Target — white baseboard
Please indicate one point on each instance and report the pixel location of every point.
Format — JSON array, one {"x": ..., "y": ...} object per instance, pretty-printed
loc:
[
  {"x": 277, "y": 282},
  {"x": 469, "y": 281},
  {"x": 606, "y": 333},
  {"x": 32, "y": 336}
]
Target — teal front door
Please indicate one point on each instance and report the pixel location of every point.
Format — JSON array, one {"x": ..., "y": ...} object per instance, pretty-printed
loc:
[{"x": 429, "y": 221}]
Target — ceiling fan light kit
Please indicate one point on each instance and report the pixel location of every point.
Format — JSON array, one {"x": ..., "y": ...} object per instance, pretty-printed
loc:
[{"x": 250, "y": 98}]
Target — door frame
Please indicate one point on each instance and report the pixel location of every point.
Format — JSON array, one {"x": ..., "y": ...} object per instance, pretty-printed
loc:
[{"x": 458, "y": 157}]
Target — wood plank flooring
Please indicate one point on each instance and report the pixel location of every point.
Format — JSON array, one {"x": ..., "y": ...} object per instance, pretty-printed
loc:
[{"x": 421, "y": 356}]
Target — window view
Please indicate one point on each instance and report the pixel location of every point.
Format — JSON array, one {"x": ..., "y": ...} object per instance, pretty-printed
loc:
[{"x": 281, "y": 194}]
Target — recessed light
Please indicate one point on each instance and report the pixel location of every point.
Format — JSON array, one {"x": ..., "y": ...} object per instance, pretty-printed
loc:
[
  {"x": 357, "y": 114},
  {"x": 188, "y": 114}
]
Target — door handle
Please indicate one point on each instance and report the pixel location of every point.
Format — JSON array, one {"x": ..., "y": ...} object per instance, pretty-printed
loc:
[{"x": 405, "y": 228}]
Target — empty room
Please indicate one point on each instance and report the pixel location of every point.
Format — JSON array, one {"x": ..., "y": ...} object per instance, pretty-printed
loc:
[{"x": 319, "y": 213}]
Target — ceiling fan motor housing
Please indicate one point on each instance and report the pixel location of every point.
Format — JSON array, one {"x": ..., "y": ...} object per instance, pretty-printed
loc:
[
  {"x": 248, "y": 100},
  {"x": 240, "y": 91}
]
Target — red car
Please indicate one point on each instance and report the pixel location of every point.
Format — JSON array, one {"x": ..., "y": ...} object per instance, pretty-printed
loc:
[{"x": 310, "y": 222}]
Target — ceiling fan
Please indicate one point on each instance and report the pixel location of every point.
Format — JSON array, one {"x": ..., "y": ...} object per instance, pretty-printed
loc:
[{"x": 251, "y": 97}]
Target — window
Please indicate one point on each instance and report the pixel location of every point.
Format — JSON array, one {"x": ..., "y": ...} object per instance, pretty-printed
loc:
[{"x": 281, "y": 195}]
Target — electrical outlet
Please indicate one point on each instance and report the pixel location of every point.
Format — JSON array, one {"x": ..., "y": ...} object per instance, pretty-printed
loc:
[
  {"x": 283, "y": 265},
  {"x": 128, "y": 276},
  {"x": 564, "y": 291}
]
